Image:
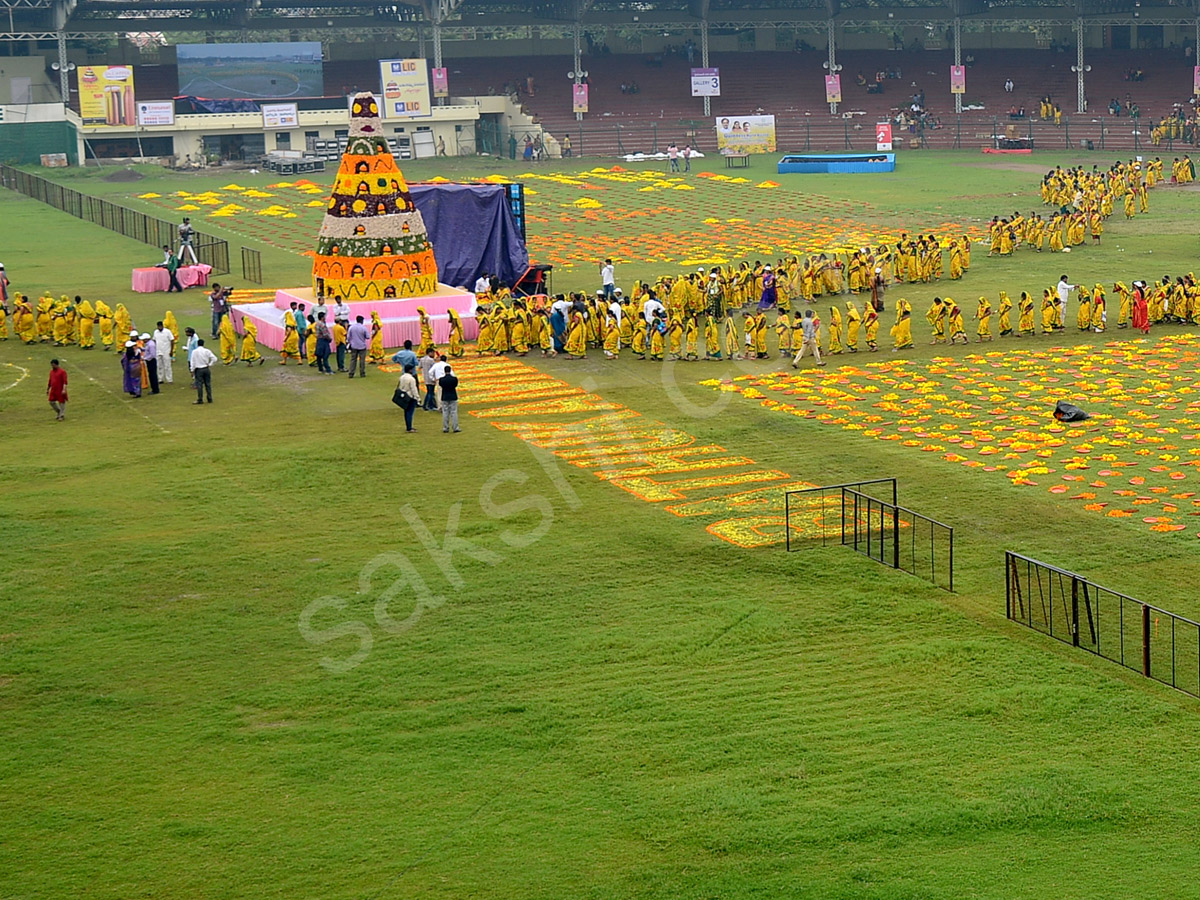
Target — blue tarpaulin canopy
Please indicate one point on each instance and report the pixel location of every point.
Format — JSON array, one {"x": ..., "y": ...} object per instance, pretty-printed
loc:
[{"x": 472, "y": 229}]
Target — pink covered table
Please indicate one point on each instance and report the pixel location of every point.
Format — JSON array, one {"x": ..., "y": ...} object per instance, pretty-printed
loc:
[{"x": 153, "y": 279}]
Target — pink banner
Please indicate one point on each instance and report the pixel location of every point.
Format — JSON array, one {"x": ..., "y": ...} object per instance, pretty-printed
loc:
[
  {"x": 833, "y": 88},
  {"x": 441, "y": 83},
  {"x": 579, "y": 98},
  {"x": 958, "y": 80},
  {"x": 1196, "y": 81}
]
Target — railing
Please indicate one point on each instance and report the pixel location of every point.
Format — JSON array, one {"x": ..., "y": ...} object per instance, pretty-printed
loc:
[
  {"x": 210, "y": 250},
  {"x": 820, "y": 132},
  {"x": 1075, "y": 610},
  {"x": 816, "y": 504},
  {"x": 873, "y": 526},
  {"x": 252, "y": 265},
  {"x": 899, "y": 537}
]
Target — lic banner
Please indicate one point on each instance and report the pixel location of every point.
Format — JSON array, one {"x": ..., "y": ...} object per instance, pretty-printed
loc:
[
  {"x": 405, "y": 86},
  {"x": 833, "y": 88},
  {"x": 958, "y": 80}
]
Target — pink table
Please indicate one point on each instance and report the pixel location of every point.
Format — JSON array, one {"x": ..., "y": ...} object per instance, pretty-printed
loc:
[{"x": 152, "y": 280}]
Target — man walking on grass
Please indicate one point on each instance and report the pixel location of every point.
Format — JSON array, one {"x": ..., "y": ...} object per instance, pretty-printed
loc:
[
  {"x": 56, "y": 390},
  {"x": 359, "y": 339},
  {"x": 449, "y": 385},
  {"x": 201, "y": 362}
]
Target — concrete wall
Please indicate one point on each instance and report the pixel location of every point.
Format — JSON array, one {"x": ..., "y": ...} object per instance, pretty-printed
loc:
[{"x": 42, "y": 88}]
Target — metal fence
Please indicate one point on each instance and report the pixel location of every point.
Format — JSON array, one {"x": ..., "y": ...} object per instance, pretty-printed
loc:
[
  {"x": 899, "y": 537},
  {"x": 812, "y": 510},
  {"x": 1075, "y": 610},
  {"x": 797, "y": 132},
  {"x": 872, "y": 525},
  {"x": 252, "y": 265},
  {"x": 210, "y": 250}
]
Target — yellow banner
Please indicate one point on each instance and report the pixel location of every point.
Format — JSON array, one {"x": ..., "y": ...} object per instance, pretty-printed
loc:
[{"x": 106, "y": 96}]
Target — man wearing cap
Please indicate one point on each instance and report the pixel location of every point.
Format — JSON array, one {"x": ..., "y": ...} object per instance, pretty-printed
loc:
[
  {"x": 200, "y": 362},
  {"x": 192, "y": 342},
  {"x": 150, "y": 359}
]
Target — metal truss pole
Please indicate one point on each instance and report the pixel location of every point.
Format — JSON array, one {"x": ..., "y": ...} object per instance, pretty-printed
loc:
[
  {"x": 958, "y": 60},
  {"x": 833, "y": 107},
  {"x": 64, "y": 82},
  {"x": 1081, "y": 95},
  {"x": 704, "y": 60}
]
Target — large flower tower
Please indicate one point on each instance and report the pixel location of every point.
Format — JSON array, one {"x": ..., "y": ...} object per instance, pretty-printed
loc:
[{"x": 372, "y": 244}]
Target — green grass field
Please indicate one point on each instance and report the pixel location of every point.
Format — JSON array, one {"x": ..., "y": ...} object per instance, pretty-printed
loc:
[{"x": 575, "y": 694}]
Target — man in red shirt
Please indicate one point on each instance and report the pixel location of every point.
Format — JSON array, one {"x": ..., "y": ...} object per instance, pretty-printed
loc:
[{"x": 56, "y": 389}]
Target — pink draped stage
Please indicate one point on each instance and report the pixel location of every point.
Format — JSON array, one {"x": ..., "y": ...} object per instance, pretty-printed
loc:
[
  {"x": 400, "y": 319},
  {"x": 151, "y": 280}
]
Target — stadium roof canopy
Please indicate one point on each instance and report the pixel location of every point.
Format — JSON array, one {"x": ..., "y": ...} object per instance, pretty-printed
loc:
[{"x": 48, "y": 19}]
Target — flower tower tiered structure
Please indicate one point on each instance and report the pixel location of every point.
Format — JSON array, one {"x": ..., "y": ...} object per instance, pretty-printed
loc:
[{"x": 373, "y": 244}]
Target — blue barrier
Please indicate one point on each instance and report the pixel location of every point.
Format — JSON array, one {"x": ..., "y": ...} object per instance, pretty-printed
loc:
[{"x": 842, "y": 162}]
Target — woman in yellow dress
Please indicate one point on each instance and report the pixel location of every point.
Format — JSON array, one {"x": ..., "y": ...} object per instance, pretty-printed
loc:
[
  {"x": 229, "y": 341},
  {"x": 638, "y": 342},
  {"x": 691, "y": 339},
  {"x": 104, "y": 318},
  {"x": 545, "y": 333},
  {"x": 983, "y": 313},
  {"x": 518, "y": 331},
  {"x": 835, "y": 330},
  {"x": 902, "y": 330},
  {"x": 1056, "y": 233},
  {"x": 60, "y": 327},
  {"x": 375, "y": 350},
  {"x": 426, "y": 332},
  {"x": 122, "y": 324},
  {"x": 956, "y": 267},
  {"x": 870, "y": 326},
  {"x": 1025, "y": 324},
  {"x": 1005, "y": 313},
  {"x": 291, "y": 339},
  {"x": 483, "y": 341},
  {"x": 25, "y": 323},
  {"x": 712, "y": 338},
  {"x": 1124, "y": 301},
  {"x": 456, "y": 334},
  {"x": 853, "y": 321},
  {"x": 85, "y": 315},
  {"x": 250, "y": 354},
  {"x": 731, "y": 335},
  {"x": 576, "y": 337},
  {"x": 1099, "y": 317},
  {"x": 936, "y": 317},
  {"x": 954, "y": 322},
  {"x": 1083, "y": 320},
  {"x": 783, "y": 328}
]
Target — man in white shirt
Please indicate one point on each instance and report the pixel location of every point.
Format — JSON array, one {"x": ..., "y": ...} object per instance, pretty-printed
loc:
[
  {"x": 608, "y": 278},
  {"x": 164, "y": 344},
  {"x": 483, "y": 284},
  {"x": 649, "y": 308},
  {"x": 341, "y": 312},
  {"x": 1064, "y": 294},
  {"x": 201, "y": 362},
  {"x": 615, "y": 307}
]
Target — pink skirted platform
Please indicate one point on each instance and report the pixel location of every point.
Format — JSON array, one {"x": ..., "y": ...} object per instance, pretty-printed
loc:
[{"x": 401, "y": 321}]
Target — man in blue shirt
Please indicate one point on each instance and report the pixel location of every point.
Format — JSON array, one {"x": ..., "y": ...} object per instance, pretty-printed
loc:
[
  {"x": 301, "y": 327},
  {"x": 192, "y": 339},
  {"x": 406, "y": 357}
]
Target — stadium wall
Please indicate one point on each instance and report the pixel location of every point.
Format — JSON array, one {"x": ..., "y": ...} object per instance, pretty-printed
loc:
[{"x": 25, "y": 142}]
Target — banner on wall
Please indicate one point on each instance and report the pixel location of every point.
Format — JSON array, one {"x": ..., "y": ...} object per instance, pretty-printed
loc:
[
  {"x": 441, "y": 82},
  {"x": 156, "y": 112},
  {"x": 958, "y": 79},
  {"x": 746, "y": 134},
  {"x": 579, "y": 98},
  {"x": 883, "y": 136},
  {"x": 706, "y": 82},
  {"x": 405, "y": 85},
  {"x": 833, "y": 88},
  {"x": 106, "y": 96},
  {"x": 1196, "y": 81},
  {"x": 280, "y": 115}
]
